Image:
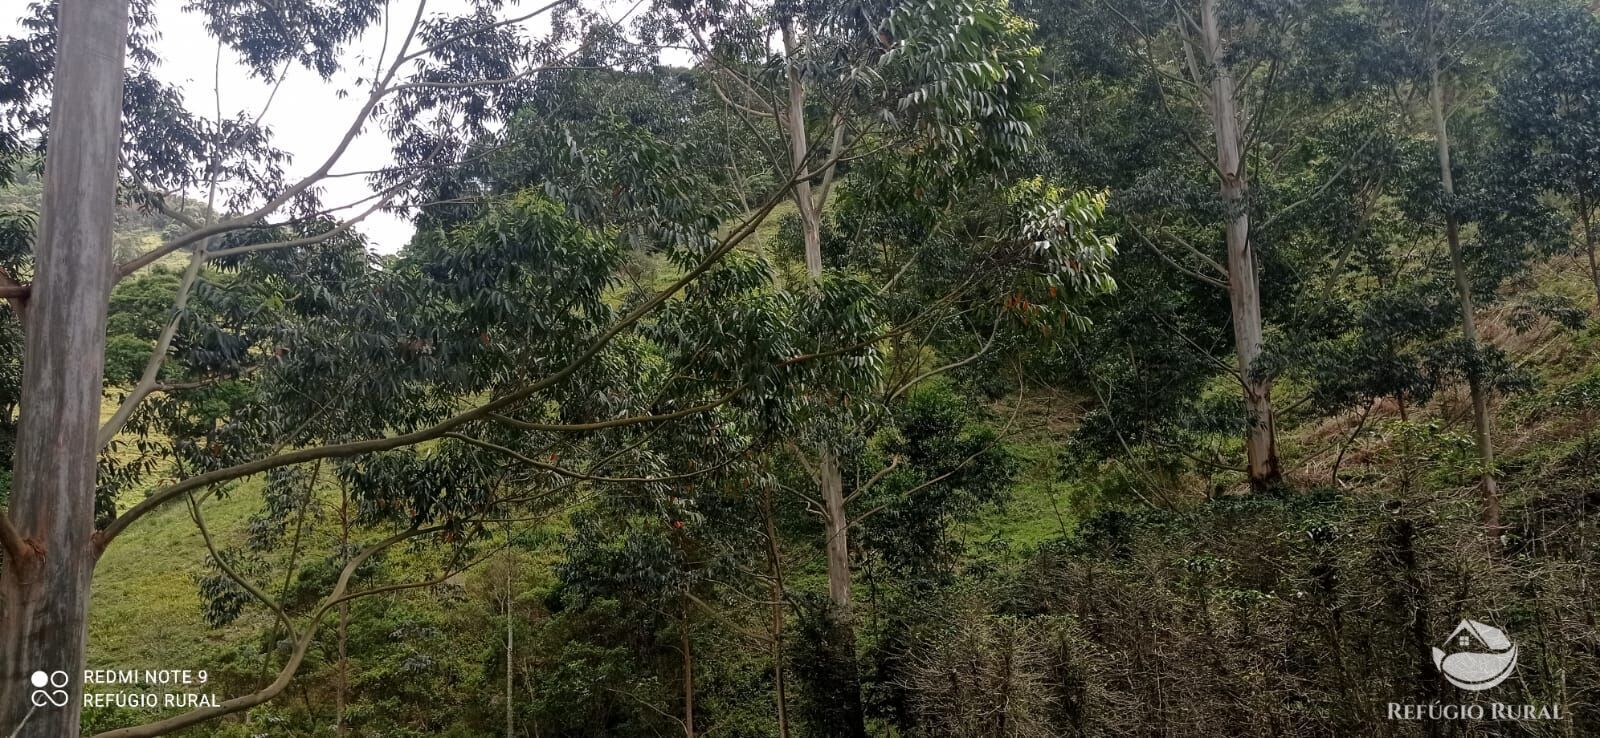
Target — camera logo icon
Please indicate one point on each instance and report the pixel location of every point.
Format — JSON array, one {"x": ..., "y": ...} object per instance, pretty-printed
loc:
[{"x": 49, "y": 688}]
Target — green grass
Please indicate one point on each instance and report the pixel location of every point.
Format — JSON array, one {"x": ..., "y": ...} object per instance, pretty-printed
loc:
[
  {"x": 146, "y": 607},
  {"x": 1036, "y": 508}
]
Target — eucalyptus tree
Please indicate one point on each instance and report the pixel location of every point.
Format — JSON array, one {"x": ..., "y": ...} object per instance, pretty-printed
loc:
[
  {"x": 1441, "y": 29},
  {"x": 914, "y": 101},
  {"x": 1223, "y": 96},
  {"x": 1447, "y": 54},
  {"x": 62, "y": 511}
]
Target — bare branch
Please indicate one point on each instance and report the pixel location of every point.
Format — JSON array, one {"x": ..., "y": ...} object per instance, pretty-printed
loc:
[
  {"x": 205, "y": 535},
  {"x": 158, "y": 355},
  {"x": 575, "y": 474}
]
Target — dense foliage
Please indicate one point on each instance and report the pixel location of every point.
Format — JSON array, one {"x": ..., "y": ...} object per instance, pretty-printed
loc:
[{"x": 956, "y": 282}]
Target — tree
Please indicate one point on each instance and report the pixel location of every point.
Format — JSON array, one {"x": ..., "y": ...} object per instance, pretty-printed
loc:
[
  {"x": 1546, "y": 105},
  {"x": 1444, "y": 49},
  {"x": 946, "y": 83},
  {"x": 1212, "y": 95},
  {"x": 56, "y": 523},
  {"x": 47, "y": 531}
]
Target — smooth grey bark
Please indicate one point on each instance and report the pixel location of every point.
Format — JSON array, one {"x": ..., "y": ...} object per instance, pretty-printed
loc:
[
  {"x": 51, "y": 548},
  {"x": 1244, "y": 293},
  {"x": 830, "y": 481},
  {"x": 836, "y": 524}
]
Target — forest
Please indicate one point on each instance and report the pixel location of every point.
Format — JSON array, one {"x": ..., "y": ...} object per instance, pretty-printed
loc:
[{"x": 804, "y": 369}]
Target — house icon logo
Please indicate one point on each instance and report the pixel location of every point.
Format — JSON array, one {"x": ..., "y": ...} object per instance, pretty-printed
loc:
[{"x": 1480, "y": 656}]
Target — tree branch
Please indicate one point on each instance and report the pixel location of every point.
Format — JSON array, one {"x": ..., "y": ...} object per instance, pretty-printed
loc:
[
  {"x": 618, "y": 422},
  {"x": 16, "y": 295},
  {"x": 994, "y": 332},
  {"x": 163, "y": 495},
  {"x": 380, "y": 89},
  {"x": 16, "y": 548},
  {"x": 286, "y": 674},
  {"x": 575, "y": 474},
  {"x": 205, "y": 535},
  {"x": 158, "y": 355}
]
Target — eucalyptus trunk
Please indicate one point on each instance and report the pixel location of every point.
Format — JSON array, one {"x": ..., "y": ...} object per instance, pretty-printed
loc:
[
  {"x": 775, "y": 562},
  {"x": 830, "y": 480},
  {"x": 686, "y": 646},
  {"x": 1244, "y": 292},
  {"x": 1482, "y": 422},
  {"x": 49, "y": 539}
]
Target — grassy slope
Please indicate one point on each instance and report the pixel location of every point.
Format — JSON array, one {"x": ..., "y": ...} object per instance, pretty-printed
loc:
[
  {"x": 146, "y": 607},
  {"x": 146, "y": 611}
]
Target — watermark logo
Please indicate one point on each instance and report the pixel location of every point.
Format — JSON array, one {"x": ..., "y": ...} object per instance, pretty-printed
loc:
[
  {"x": 49, "y": 688},
  {"x": 1476, "y": 657},
  {"x": 1481, "y": 656}
]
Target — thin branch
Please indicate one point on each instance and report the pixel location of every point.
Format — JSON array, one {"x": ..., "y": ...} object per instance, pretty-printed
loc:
[
  {"x": 17, "y": 549},
  {"x": 418, "y": 54},
  {"x": 1206, "y": 278},
  {"x": 16, "y": 295},
  {"x": 162, "y": 496},
  {"x": 471, "y": 83},
  {"x": 994, "y": 331},
  {"x": 1016, "y": 410},
  {"x": 1316, "y": 193},
  {"x": 862, "y": 488},
  {"x": 380, "y": 89},
  {"x": 575, "y": 474},
  {"x": 618, "y": 422},
  {"x": 298, "y": 242},
  {"x": 158, "y": 355},
  {"x": 205, "y": 535}
]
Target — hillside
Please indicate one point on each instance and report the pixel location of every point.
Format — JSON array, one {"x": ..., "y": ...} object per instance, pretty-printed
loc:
[{"x": 934, "y": 369}]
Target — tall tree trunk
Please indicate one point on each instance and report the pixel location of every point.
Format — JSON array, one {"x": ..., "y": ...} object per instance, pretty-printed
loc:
[
  {"x": 510, "y": 644},
  {"x": 830, "y": 480},
  {"x": 342, "y": 696},
  {"x": 1244, "y": 294},
  {"x": 799, "y": 153},
  {"x": 1482, "y": 422},
  {"x": 1590, "y": 241},
  {"x": 836, "y": 524},
  {"x": 686, "y": 646},
  {"x": 49, "y": 539},
  {"x": 775, "y": 562}
]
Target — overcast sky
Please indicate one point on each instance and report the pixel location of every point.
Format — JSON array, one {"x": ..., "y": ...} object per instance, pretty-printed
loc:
[{"x": 307, "y": 118}]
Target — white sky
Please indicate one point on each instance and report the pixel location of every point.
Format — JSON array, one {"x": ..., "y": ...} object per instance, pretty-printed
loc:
[{"x": 307, "y": 117}]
